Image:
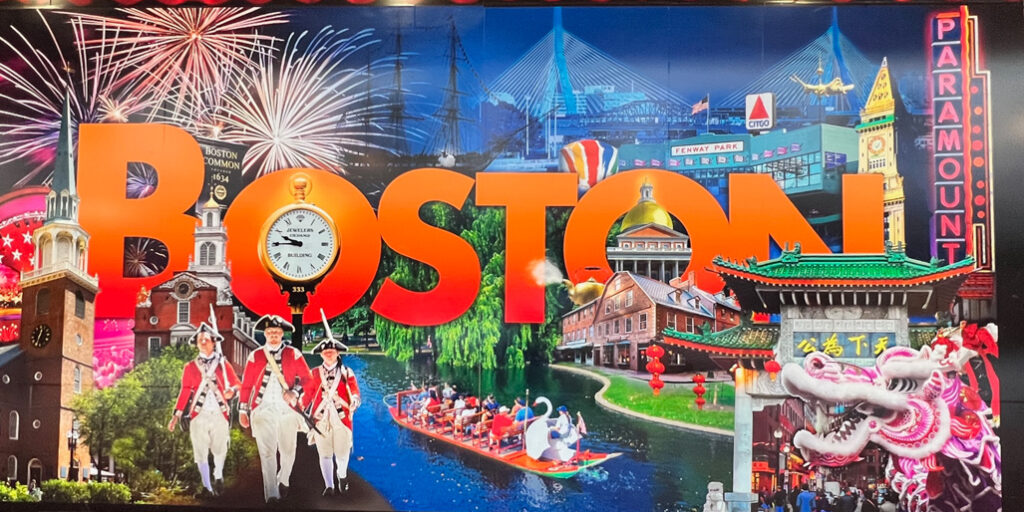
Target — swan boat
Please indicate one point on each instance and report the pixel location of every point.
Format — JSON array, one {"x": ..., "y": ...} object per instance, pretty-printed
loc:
[{"x": 533, "y": 457}]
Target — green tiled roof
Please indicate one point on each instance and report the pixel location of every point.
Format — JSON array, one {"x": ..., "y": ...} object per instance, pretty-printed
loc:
[
  {"x": 745, "y": 336},
  {"x": 892, "y": 265}
]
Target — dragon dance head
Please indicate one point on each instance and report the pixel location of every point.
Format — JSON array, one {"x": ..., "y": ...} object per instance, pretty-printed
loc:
[{"x": 914, "y": 405}]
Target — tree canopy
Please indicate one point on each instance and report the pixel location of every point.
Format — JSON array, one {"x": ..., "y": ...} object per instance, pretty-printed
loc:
[{"x": 480, "y": 336}]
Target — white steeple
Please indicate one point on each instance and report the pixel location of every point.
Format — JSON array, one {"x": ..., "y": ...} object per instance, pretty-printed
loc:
[{"x": 209, "y": 260}]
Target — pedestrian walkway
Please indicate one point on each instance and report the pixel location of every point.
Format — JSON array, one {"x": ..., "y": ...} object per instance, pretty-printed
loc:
[
  {"x": 603, "y": 402},
  {"x": 668, "y": 378}
]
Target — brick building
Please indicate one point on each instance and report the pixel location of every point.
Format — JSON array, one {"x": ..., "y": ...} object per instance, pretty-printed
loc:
[
  {"x": 51, "y": 364},
  {"x": 169, "y": 314},
  {"x": 648, "y": 245},
  {"x": 615, "y": 329}
]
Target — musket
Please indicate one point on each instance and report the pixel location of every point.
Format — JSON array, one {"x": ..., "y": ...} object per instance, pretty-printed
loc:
[{"x": 308, "y": 419}]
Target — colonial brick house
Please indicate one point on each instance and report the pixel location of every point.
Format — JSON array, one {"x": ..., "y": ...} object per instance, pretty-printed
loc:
[
  {"x": 615, "y": 329},
  {"x": 170, "y": 313}
]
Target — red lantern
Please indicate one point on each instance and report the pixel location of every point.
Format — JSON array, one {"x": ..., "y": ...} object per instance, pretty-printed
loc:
[
  {"x": 699, "y": 390},
  {"x": 772, "y": 367},
  {"x": 655, "y": 367},
  {"x": 656, "y": 384}
]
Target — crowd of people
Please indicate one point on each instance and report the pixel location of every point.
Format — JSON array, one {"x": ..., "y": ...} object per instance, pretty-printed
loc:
[
  {"x": 850, "y": 499},
  {"x": 466, "y": 416}
]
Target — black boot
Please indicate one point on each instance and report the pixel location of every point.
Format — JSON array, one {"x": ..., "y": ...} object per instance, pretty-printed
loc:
[
  {"x": 218, "y": 487},
  {"x": 329, "y": 491},
  {"x": 342, "y": 486},
  {"x": 283, "y": 490}
]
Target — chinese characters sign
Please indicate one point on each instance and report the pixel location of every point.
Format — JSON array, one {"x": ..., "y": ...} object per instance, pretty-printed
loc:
[{"x": 851, "y": 345}]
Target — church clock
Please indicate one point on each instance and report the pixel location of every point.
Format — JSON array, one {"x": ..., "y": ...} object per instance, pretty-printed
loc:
[{"x": 41, "y": 336}]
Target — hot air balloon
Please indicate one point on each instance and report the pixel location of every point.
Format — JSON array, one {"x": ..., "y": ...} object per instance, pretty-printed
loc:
[{"x": 591, "y": 160}]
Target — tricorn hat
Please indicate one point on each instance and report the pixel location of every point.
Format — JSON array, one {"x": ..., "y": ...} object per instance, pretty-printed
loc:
[
  {"x": 267, "y": 321},
  {"x": 328, "y": 342},
  {"x": 205, "y": 327}
]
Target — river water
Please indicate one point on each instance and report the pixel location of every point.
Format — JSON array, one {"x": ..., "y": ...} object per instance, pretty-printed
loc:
[{"x": 661, "y": 469}]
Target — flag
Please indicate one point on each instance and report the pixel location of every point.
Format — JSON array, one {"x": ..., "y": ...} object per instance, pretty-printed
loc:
[
  {"x": 705, "y": 160},
  {"x": 781, "y": 150},
  {"x": 700, "y": 106},
  {"x": 722, "y": 159},
  {"x": 689, "y": 161},
  {"x": 738, "y": 158},
  {"x": 794, "y": 146},
  {"x": 639, "y": 163},
  {"x": 655, "y": 162},
  {"x": 581, "y": 426},
  {"x": 672, "y": 162}
]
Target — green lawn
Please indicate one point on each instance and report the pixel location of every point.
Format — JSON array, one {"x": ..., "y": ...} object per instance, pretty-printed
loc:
[{"x": 675, "y": 402}]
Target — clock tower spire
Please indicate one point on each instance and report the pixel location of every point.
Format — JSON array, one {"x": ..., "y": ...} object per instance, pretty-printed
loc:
[
  {"x": 878, "y": 151},
  {"x": 57, "y": 318},
  {"x": 209, "y": 261}
]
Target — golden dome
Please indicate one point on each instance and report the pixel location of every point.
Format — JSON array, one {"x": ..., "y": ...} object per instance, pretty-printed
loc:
[
  {"x": 646, "y": 211},
  {"x": 211, "y": 203}
]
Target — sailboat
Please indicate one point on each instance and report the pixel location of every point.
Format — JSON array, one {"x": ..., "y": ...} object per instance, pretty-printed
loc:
[{"x": 445, "y": 148}]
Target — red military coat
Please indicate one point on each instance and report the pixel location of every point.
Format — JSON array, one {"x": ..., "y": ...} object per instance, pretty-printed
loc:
[
  {"x": 192, "y": 382},
  {"x": 258, "y": 373},
  {"x": 345, "y": 387}
]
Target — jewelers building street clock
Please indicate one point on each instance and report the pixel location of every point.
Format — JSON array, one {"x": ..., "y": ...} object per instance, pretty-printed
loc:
[{"x": 298, "y": 245}]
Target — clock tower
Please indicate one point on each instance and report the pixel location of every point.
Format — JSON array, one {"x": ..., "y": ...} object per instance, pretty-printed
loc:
[
  {"x": 57, "y": 318},
  {"x": 878, "y": 151}
]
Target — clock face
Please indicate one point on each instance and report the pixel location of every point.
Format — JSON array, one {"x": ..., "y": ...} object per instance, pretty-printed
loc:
[
  {"x": 300, "y": 245},
  {"x": 876, "y": 145},
  {"x": 183, "y": 289},
  {"x": 41, "y": 336}
]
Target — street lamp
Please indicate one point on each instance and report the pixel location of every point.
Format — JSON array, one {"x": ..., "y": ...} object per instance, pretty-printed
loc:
[
  {"x": 785, "y": 452},
  {"x": 72, "y": 444},
  {"x": 778, "y": 468}
]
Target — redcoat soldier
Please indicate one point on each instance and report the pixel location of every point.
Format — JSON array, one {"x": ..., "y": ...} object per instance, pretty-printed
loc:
[
  {"x": 210, "y": 383},
  {"x": 272, "y": 384},
  {"x": 332, "y": 399}
]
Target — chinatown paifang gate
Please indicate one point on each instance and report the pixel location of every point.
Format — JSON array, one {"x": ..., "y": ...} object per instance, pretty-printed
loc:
[{"x": 849, "y": 306}]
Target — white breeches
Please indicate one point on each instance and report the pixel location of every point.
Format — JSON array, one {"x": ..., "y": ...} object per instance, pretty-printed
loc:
[
  {"x": 275, "y": 431},
  {"x": 336, "y": 442},
  {"x": 210, "y": 433}
]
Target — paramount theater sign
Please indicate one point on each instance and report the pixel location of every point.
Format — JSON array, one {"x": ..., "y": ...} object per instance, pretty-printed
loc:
[{"x": 962, "y": 220}]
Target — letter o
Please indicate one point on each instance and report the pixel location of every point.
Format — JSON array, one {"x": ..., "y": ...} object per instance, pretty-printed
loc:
[
  {"x": 588, "y": 226},
  {"x": 359, "y": 243},
  {"x": 944, "y": 163}
]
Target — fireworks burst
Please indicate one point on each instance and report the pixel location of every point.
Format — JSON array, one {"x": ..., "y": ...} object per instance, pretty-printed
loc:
[
  {"x": 31, "y": 106},
  {"x": 305, "y": 109},
  {"x": 185, "y": 51},
  {"x": 144, "y": 257},
  {"x": 142, "y": 180}
]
